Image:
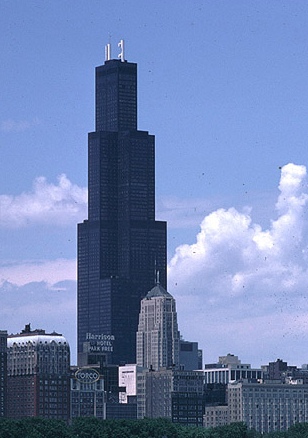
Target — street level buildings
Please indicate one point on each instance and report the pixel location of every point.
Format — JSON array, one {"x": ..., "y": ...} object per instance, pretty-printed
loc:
[
  {"x": 88, "y": 397},
  {"x": 174, "y": 394},
  {"x": 120, "y": 246},
  {"x": 230, "y": 368},
  {"x": 267, "y": 400},
  {"x": 38, "y": 367},
  {"x": 268, "y": 407},
  {"x": 215, "y": 416},
  {"x": 3, "y": 372}
]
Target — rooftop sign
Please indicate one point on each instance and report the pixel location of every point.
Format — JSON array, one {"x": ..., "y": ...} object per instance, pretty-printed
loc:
[{"x": 87, "y": 375}]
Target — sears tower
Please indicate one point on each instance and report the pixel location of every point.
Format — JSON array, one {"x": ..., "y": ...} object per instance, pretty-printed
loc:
[{"x": 121, "y": 246}]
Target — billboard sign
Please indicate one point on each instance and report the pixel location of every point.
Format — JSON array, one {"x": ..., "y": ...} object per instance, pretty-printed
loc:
[{"x": 87, "y": 375}]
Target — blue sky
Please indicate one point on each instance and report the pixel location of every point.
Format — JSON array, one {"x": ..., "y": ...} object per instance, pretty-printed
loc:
[{"x": 223, "y": 86}]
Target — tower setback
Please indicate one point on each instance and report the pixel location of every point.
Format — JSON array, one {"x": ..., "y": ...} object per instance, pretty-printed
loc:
[{"x": 121, "y": 245}]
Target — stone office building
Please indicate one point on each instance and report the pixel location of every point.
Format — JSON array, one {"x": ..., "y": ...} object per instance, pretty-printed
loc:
[
  {"x": 38, "y": 367},
  {"x": 268, "y": 407}
]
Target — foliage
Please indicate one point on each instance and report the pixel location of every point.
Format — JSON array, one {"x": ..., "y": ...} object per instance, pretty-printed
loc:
[
  {"x": 299, "y": 430},
  {"x": 33, "y": 428},
  {"x": 147, "y": 428}
]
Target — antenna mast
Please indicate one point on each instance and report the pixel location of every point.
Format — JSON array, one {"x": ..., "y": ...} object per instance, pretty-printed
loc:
[
  {"x": 121, "y": 54},
  {"x": 108, "y": 52}
]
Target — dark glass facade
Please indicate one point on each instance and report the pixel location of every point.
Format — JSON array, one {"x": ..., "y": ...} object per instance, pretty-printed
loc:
[{"x": 120, "y": 246}]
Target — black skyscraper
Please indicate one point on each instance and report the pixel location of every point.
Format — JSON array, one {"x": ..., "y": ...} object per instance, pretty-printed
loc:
[{"x": 120, "y": 246}]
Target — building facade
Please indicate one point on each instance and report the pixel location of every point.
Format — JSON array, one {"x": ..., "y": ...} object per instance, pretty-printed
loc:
[
  {"x": 268, "y": 407},
  {"x": 158, "y": 337},
  {"x": 228, "y": 369},
  {"x": 154, "y": 390},
  {"x": 120, "y": 245},
  {"x": 38, "y": 367},
  {"x": 215, "y": 416},
  {"x": 88, "y": 398},
  {"x": 175, "y": 394},
  {"x": 280, "y": 371},
  {"x": 188, "y": 398},
  {"x": 3, "y": 372},
  {"x": 190, "y": 355}
]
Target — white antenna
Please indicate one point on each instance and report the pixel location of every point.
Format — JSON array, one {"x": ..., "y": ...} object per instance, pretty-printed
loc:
[
  {"x": 121, "y": 54},
  {"x": 108, "y": 52},
  {"x": 157, "y": 277}
]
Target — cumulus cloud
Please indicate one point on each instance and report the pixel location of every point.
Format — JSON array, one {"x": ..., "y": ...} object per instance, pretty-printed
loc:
[
  {"x": 240, "y": 288},
  {"x": 244, "y": 289},
  {"x": 58, "y": 204},
  {"x": 11, "y": 125}
]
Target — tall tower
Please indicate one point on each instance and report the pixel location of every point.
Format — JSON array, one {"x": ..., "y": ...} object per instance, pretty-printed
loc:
[
  {"x": 158, "y": 338},
  {"x": 121, "y": 245}
]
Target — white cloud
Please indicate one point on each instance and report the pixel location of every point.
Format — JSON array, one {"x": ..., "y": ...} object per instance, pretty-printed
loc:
[
  {"x": 61, "y": 204},
  {"x": 245, "y": 289},
  {"x": 11, "y": 125},
  {"x": 239, "y": 288},
  {"x": 48, "y": 271}
]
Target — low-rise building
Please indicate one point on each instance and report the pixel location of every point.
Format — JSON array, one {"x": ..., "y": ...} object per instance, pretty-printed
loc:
[
  {"x": 175, "y": 394},
  {"x": 215, "y": 416},
  {"x": 280, "y": 371},
  {"x": 229, "y": 368},
  {"x": 268, "y": 407}
]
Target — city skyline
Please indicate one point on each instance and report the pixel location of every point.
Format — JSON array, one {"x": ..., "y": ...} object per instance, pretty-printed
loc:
[{"x": 224, "y": 91}]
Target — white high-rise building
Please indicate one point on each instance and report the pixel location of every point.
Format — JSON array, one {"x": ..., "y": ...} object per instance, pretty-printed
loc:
[{"x": 158, "y": 337}]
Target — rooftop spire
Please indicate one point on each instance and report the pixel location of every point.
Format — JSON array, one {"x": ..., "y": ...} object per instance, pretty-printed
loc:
[{"x": 157, "y": 277}]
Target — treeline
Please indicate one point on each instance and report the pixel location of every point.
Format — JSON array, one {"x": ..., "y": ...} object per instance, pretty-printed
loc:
[{"x": 147, "y": 428}]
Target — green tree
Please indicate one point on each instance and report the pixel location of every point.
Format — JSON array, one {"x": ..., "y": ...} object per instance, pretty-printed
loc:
[
  {"x": 233, "y": 430},
  {"x": 298, "y": 430},
  {"x": 87, "y": 428},
  {"x": 8, "y": 428},
  {"x": 42, "y": 428}
]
